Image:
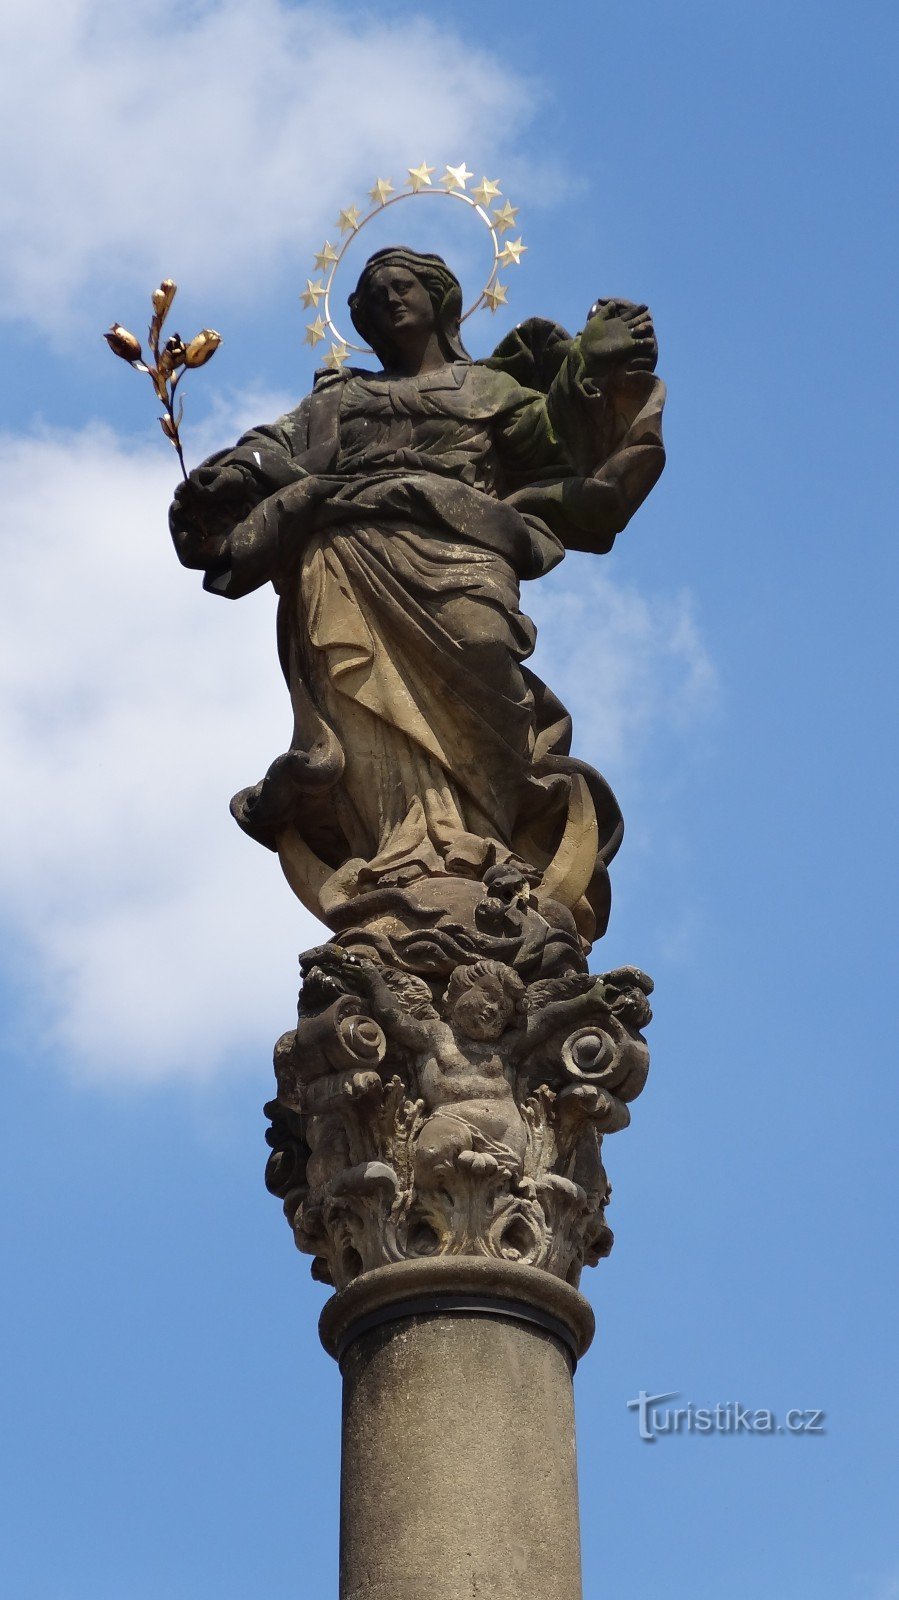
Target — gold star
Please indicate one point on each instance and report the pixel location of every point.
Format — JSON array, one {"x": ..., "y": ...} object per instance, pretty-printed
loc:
[
  {"x": 456, "y": 177},
  {"x": 326, "y": 257},
  {"x": 504, "y": 218},
  {"x": 348, "y": 221},
  {"x": 383, "y": 187},
  {"x": 418, "y": 176},
  {"x": 315, "y": 332},
  {"x": 312, "y": 293},
  {"x": 495, "y": 295},
  {"x": 513, "y": 251},
  {"x": 336, "y": 357},
  {"x": 486, "y": 191}
]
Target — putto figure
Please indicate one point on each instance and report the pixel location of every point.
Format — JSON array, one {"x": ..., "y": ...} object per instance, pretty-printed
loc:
[{"x": 396, "y": 513}]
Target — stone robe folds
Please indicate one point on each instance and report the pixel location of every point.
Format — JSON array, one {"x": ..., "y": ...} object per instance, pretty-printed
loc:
[{"x": 396, "y": 517}]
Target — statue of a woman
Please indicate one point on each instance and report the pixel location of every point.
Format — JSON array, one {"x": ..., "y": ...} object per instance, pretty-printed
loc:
[{"x": 396, "y": 513}]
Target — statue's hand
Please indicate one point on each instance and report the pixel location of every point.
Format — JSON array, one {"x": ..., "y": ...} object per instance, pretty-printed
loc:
[
  {"x": 203, "y": 512},
  {"x": 620, "y": 332},
  {"x": 210, "y": 489}
]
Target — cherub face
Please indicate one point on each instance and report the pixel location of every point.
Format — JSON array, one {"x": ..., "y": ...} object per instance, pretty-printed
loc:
[{"x": 484, "y": 1011}]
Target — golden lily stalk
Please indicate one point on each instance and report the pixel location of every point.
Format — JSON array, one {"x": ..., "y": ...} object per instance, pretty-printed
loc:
[{"x": 168, "y": 364}]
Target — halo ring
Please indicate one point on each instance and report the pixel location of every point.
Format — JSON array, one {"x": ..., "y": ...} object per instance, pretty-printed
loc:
[{"x": 328, "y": 261}]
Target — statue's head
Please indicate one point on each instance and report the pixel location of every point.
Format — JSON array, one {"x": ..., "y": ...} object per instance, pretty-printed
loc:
[
  {"x": 399, "y": 287},
  {"x": 483, "y": 999}
]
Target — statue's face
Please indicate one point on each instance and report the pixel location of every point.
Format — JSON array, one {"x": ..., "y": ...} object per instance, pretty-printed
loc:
[
  {"x": 399, "y": 307},
  {"x": 484, "y": 1011}
]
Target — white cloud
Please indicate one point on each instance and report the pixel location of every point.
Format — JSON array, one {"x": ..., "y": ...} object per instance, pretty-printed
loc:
[
  {"x": 629, "y": 664},
  {"x": 213, "y": 141},
  {"x": 889, "y": 1590},
  {"x": 132, "y": 706}
]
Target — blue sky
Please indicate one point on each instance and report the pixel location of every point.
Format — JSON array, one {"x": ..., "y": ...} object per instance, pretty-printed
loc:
[{"x": 169, "y": 1420}]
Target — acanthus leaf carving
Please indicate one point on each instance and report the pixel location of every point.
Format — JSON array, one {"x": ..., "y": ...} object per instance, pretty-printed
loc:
[{"x": 462, "y": 1115}]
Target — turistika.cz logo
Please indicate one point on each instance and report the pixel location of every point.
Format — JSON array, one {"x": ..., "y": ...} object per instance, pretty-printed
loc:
[{"x": 657, "y": 1417}]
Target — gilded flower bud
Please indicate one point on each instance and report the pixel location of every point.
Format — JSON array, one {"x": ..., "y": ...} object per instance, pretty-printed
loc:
[
  {"x": 169, "y": 429},
  {"x": 163, "y": 297},
  {"x": 122, "y": 343},
  {"x": 202, "y": 347},
  {"x": 173, "y": 355}
]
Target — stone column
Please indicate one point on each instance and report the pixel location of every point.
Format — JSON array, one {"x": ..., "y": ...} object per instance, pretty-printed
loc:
[
  {"x": 459, "y": 1470},
  {"x": 437, "y": 1145}
]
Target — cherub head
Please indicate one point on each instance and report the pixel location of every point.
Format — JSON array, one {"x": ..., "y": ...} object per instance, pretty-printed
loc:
[{"x": 483, "y": 1000}]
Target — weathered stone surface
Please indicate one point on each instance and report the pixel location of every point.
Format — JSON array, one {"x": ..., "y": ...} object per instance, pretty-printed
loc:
[
  {"x": 460, "y": 1116},
  {"x": 386, "y": 1293},
  {"x": 459, "y": 1472}
]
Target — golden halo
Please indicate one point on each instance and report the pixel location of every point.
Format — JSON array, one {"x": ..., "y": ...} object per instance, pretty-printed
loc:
[{"x": 317, "y": 294}]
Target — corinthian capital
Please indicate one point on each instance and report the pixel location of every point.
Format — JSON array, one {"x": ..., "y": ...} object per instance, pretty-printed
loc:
[{"x": 458, "y": 1115}]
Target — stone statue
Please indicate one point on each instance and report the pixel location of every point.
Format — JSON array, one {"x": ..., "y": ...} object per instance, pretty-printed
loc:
[
  {"x": 397, "y": 512},
  {"x": 428, "y": 808}
]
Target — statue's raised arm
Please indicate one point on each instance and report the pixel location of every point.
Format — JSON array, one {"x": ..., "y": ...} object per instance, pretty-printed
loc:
[{"x": 604, "y": 403}]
